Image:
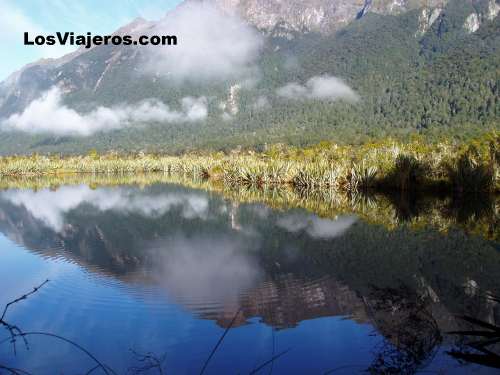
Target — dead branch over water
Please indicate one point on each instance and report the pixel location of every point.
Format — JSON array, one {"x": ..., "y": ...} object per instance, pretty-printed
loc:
[{"x": 16, "y": 333}]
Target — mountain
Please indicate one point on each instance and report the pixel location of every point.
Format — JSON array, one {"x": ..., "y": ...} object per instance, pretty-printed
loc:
[
  {"x": 321, "y": 16},
  {"x": 296, "y": 71}
]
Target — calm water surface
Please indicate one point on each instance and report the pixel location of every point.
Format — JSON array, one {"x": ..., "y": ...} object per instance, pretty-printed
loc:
[{"x": 165, "y": 270}]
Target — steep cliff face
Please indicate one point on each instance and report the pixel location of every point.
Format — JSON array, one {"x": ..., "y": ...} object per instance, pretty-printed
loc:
[
  {"x": 394, "y": 42},
  {"x": 483, "y": 12},
  {"x": 297, "y": 15},
  {"x": 81, "y": 69},
  {"x": 86, "y": 69},
  {"x": 323, "y": 16},
  {"x": 427, "y": 18}
]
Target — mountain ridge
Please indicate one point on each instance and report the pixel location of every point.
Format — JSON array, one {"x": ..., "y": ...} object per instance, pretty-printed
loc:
[
  {"x": 395, "y": 60},
  {"x": 315, "y": 16}
]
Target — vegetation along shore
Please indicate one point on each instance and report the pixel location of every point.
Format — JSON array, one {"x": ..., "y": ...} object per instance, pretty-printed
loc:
[{"x": 388, "y": 165}]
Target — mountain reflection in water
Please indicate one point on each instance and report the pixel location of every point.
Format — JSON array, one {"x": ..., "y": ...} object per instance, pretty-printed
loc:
[{"x": 218, "y": 259}]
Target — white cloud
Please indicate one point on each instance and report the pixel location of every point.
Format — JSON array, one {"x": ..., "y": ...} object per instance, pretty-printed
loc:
[
  {"x": 228, "y": 270},
  {"x": 319, "y": 87},
  {"x": 49, "y": 115},
  {"x": 50, "y": 207},
  {"x": 211, "y": 45},
  {"x": 261, "y": 103},
  {"x": 315, "y": 226},
  {"x": 195, "y": 108}
]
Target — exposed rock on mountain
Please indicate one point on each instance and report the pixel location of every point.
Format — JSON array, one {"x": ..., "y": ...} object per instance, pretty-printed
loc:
[
  {"x": 482, "y": 13},
  {"x": 426, "y": 19},
  {"x": 323, "y": 16},
  {"x": 413, "y": 65}
]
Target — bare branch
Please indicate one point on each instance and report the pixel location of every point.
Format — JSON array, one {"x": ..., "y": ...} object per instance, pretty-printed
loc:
[
  {"x": 15, "y": 332},
  {"x": 14, "y": 371},
  {"x": 105, "y": 368},
  {"x": 220, "y": 341},
  {"x": 150, "y": 361},
  {"x": 35, "y": 289},
  {"x": 257, "y": 369}
]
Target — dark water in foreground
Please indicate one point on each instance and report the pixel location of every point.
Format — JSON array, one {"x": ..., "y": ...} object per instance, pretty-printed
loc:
[{"x": 164, "y": 271}]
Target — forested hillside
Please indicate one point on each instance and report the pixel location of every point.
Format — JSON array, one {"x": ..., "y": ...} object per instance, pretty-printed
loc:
[{"x": 411, "y": 76}]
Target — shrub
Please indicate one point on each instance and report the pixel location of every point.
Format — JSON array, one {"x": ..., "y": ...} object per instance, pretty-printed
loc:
[{"x": 470, "y": 176}]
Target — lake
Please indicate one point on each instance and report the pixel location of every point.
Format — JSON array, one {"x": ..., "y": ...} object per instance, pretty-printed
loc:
[{"x": 196, "y": 281}]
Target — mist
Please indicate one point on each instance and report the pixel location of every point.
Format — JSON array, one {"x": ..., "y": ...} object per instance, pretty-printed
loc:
[
  {"x": 51, "y": 207},
  {"x": 211, "y": 45},
  {"x": 324, "y": 87},
  {"x": 315, "y": 226},
  {"x": 228, "y": 268},
  {"x": 49, "y": 114}
]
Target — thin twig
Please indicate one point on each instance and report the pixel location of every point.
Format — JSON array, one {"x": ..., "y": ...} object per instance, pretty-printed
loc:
[
  {"x": 35, "y": 289},
  {"x": 274, "y": 352},
  {"x": 14, "y": 371},
  {"x": 81, "y": 348},
  {"x": 150, "y": 360},
  {"x": 92, "y": 369},
  {"x": 257, "y": 369},
  {"x": 331, "y": 371},
  {"x": 220, "y": 341},
  {"x": 15, "y": 332}
]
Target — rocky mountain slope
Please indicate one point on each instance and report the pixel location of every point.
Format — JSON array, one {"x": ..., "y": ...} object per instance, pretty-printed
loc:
[
  {"x": 323, "y": 16},
  {"x": 409, "y": 65}
]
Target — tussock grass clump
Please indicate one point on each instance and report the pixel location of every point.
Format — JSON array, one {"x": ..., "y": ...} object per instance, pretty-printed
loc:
[
  {"x": 467, "y": 175},
  {"x": 383, "y": 165},
  {"x": 362, "y": 177},
  {"x": 407, "y": 174}
]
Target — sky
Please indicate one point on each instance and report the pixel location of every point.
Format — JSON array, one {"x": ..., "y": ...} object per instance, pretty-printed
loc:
[{"x": 49, "y": 16}]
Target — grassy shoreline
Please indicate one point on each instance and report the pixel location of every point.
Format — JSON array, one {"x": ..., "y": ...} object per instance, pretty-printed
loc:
[{"x": 388, "y": 165}]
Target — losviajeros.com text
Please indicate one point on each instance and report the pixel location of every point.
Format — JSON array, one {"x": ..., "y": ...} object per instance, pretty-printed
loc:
[{"x": 88, "y": 40}]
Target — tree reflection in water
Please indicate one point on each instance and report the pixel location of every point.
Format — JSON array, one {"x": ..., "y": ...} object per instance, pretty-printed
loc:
[
  {"x": 228, "y": 261},
  {"x": 412, "y": 335}
]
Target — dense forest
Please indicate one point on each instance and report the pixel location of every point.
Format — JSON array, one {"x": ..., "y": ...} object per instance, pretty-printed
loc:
[{"x": 444, "y": 82}]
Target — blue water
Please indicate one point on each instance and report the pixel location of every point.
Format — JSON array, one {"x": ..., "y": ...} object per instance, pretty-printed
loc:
[
  {"x": 121, "y": 299},
  {"x": 109, "y": 318}
]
